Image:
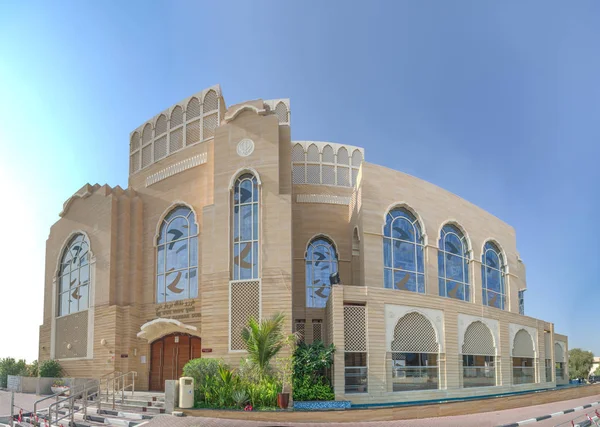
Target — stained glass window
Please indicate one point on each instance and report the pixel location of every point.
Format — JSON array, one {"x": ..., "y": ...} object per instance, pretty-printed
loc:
[
  {"x": 74, "y": 277},
  {"x": 321, "y": 263},
  {"x": 403, "y": 252},
  {"x": 492, "y": 276},
  {"x": 177, "y": 256},
  {"x": 522, "y": 302},
  {"x": 453, "y": 259},
  {"x": 245, "y": 228}
]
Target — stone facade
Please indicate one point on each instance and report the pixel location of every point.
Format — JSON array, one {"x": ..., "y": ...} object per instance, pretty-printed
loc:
[{"x": 190, "y": 155}]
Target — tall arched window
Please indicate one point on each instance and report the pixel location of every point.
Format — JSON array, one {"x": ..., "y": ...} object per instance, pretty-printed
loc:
[
  {"x": 245, "y": 228},
  {"x": 177, "y": 256},
  {"x": 403, "y": 252},
  {"x": 453, "y": 264},
  {"x": 321, "y": 263},
  {"x": 492, "y": 276},
  {"x": 74, "y": 276}
]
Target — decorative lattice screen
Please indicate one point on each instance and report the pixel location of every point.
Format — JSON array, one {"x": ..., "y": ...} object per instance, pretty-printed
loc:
[
  {"x": 313, "y": 174},
  {"x": 245, "y": 303},
  {"x": 146, "y": 134},
  {"x": 343, "y": 177},
  {"x": 176, "y": 117},
  {"x": 193, "y": 109},
  {"x": 559, "y": 355},
  {"x": 176, "y": 140},
  {"x": 342, "y": 157},
  {"x": 317, "y": 327},
  {"x": 135, "y": 142},
  {"x": 523, "y": 344},
  {"x": 211, "y": 101},
  {"x": 160, "y": 148},
  {"x": 328, "y": 172},
  {"x": 161, "y": 125},
  {"x": 192, "y": 132},
  {"x": 478, "y": 340},
  {"x": 312, "y": 154},
  {"x": 357, "y": 158},
  {"x": 134, "y": 162},
  {"x": 73, "y": 330},
  {"x": 414, "y": 334},
  {"x": 146, "y": 155},
  {"x": 328, "y": 156},
  {"x": 300, "y": 329},
  {"x": 298, "y": 174},
  {"x": 298, "y": 153},
  {"x": 355, "y": 328},
  {"x": 210, "y": 124},
  {"x": 282, "y": 112}
]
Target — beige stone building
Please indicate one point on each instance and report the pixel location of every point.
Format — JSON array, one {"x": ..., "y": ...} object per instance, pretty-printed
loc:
[{"x": 226, "y": 217}]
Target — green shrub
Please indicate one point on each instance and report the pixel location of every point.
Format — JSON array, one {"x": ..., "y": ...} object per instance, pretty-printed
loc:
[
  {"x": 50, "y": 369},
  {"x": 240, "y": 398},
  {"x": 309, "y": 366},
  {"x": 305, "y": 388},
  {"x": 264, "y": 393},
  {"x": 9, "y": 366},
  {"x": 198, "y": 369},
  {"x": 33, "y": 369}
]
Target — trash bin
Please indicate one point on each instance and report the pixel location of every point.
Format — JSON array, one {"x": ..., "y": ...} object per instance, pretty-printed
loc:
[{"x": 186, "y": 392}]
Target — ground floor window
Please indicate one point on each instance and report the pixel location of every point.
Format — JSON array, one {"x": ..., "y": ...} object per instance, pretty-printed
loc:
[
  {"x": 355, "y": 372},
  {"x": 478, "y": 371},
  {"x": 560, "y": 371},
  {"x": 523, "y": 370},
  {"x": 414, "y": 371},
  {"x": 549, "y": 370}
]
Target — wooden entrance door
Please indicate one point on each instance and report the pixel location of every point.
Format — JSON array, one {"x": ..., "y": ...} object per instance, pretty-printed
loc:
[{"x": 168, "y": 356}]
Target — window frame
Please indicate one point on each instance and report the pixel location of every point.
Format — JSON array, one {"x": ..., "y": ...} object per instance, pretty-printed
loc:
[
  {"x": 333, "y": 261},
  {"x": 255, "y": 199},
  {"x": 493, "y": 247},
  {"x": 464, "y": 255},
  {"x": 72, "y": 240}
]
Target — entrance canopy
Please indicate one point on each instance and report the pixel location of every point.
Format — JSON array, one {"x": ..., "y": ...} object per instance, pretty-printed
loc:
[{"x": 160, "y": 327}]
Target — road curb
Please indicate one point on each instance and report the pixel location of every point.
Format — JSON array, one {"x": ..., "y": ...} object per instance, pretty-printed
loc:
[{"x": 545, "y": 417}]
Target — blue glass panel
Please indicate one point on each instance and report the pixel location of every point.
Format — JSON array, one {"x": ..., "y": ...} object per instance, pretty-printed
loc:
[
  {"x": 454, "y": 267},
  {"x": 84, "y": 275},
  {"x": 246, "y": 219},
  {"x": 64, "y": 304},
  {"x": 494, "y": 299},
  {"x": 466, "y": 270},
  {"x": 255, "y": 262},
  {"x": 246, "y": 191},
  {"x": 387, "y": 279},
  {"x": 402, "y": 229},
  {"x": 421, "y": 283},
  {"x": 193, "y": 252},
  {"x": 177, "y": 229},
  {"x": 177, "y": 255},
  {"x": 74, "y": 280},
  {"x": 442, "y": 286},
  {"x": 491, "y": 259},
  {"x": 441, "y": 272},
  {"x": 467, "y": 293},
  {"x": 404, "y": 255},
  {"x": 160, "y": 259},
  {"x": 236, "y": 194},
  {"x": 387, "y": 228},
  {"x": 405, "y": 281},
  {"x": 255, "y": 188},
  {"x": 493, "y": 279},
  {"x": 309, "y": 296},
  {"x": 192, "y": 224},
  {"x": 246, "y": 261},
  {"x": 420, "y": 264},
  {"x": 178, "y": 211},
  {"x": 484, "y": 297},
  {"x": 236, "y": 261},
  {"x": 160, "y": 288},
  {"x": 65, "y": 282},
  {"x": 83, "y": 297},
  {"x": 387, "y": 252},
  {"x": 320, "y": 295},
  {"x": 176, "y": 285},
  {"x": 236, "y": 223},
  {"x": 455, "y": 290},
  {"x": 193, "y": 280},
  {"x": 255, "y": 221}
]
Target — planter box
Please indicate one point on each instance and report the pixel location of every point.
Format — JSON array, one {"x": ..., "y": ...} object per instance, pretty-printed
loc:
[
  {"x": 63, "y": 389},
  {"x": 322, "y": 405}
]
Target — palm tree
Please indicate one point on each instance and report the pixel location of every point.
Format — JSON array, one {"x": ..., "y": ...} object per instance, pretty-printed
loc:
[{"x": 264, "y": 339}]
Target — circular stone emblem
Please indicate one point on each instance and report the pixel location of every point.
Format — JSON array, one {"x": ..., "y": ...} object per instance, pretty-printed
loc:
[{"x": 245, "y": 147}]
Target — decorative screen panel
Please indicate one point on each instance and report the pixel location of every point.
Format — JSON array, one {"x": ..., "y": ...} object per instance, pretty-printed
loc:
[
  {"x": 328, "y": 156},
  {"x": 559, "y": 355},
  {"x": 355, "y": 328},
  {"x": 317, "y": 327},
  {"x": 300, "y": 329},
  {"x": 342, "y": 157},
  {"x": 282, "y": 113},
  {"x": 73, "y": 330},
  {"x": 161, "y": 126},
  {"x": 357, "y": 158},
  {"x": 328, "y": 175},
  {"x": 245, "y": 303},
  {"x": 298, "y": 153},
  {"x": 193, "y": 109},
  {"x": 478, "y": 340},
  {"x": 160, "y": 148},
  {"x": 210, "y": 124},
  {"x": 135, "y": 142},
  {"x": 146, "y": 134},
  {"x": 298, "y": 174},
  {"x": 211, "y": 101},
  {"x": 176, "y": 117},
  {"x": 146, "y": 155},
  {"x": 312, "y": 155},
  {"x": 414, "y": 334},
  {"x": 343, "y": 177},
  {"x": 192, "y": 132},
  {"x": 176, "y": 140},
  {"x": 523, "y": 345},
  {"x": 134, "y": 164},
  {"x": 313, "y": 174}
]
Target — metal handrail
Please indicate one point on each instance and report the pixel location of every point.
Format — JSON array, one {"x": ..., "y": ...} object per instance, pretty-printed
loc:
[
  {"x": 57, "y": 395},
  {"x": 118, "y": 384},
  {"x": 84, "y": 394}
]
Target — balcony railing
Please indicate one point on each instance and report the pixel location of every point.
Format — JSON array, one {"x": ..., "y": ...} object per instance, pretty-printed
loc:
[
  {"x": 414, "y": 378},
  {"x": 479, "y": 376},
  {"x": 523, "y": 375}
]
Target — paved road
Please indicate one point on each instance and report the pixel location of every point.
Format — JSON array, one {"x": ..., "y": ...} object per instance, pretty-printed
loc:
[
  {"x": 23, "y": 400},
  {"x": 488, "y": 419}
]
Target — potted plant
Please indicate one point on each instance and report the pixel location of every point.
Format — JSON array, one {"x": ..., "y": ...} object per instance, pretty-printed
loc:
[
  {"x": 58, "y": 386},
  {"x": 285, "y": 370}
]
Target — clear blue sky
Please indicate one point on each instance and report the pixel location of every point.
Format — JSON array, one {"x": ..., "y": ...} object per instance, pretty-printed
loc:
[{"x": 496, "y": 101}]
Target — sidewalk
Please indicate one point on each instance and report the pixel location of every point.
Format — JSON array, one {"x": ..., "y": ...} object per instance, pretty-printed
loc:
[{"x": 487, "y": 419}]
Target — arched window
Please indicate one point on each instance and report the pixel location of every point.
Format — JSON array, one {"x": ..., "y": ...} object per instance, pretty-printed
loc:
[
  {"x": 245, "y": 228},
  {"x": 403, "y": 252},
  {"x": 453, "y": 264},
  {"x": 478, "y": 354},
  {"x": 74, "y": 276},
  {"x": 492, "y": 276},
  {"x": 321, "y": 263},
  {"x": 177, "y": 256}
]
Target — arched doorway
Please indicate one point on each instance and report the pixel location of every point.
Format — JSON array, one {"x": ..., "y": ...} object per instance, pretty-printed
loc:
[{"x": 168, "y": 356}]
